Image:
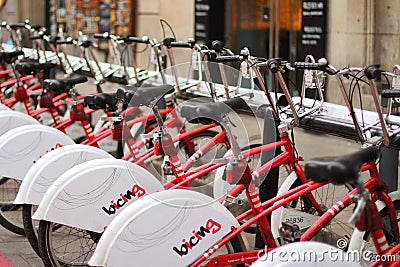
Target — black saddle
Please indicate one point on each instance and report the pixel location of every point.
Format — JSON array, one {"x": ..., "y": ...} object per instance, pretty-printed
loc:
[
  {"x": 339, "y": 169},
  {"x": 144, "y": 95},
  {"x": 32, "y": 68},
  {"x": 211, "y": 112},
  {"x": 125, "y": 93},
  {"x": 10, "y": 57},
  {"x": 107, "y": 102},
  {"x": 60, "y": 86}
]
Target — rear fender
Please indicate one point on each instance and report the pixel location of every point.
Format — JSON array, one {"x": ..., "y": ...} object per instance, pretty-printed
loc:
[
  {"x": 91, "y": 194},
  {"x": 169, "y": 228},
  {"x": 21, "y": 147},
  {"x": 51, "y": 166}
]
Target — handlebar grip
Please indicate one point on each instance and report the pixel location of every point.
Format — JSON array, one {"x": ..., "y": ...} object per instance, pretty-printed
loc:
[
  {"x": 372, "y": 71},
  {"x": 59, "y": 42},
  {"x": 217, "y": 46},
  {"x": 233, "y": 58},
  {"x": 170, "y": 42},
  {"x": 309, "y": 66},
  {"x": 142, "y": 40},
  {"x": 274, "y": 65},
  {"x": 36, "y": 27},
  {"x": 390, "y": 93},
  {"x": 17, "y": 25},
  {"x": 180, "y": 44},
  {"x": 86, "y": 43},
  {"x": 101, "y": 36},
  {"x": 36, "y": 37}
]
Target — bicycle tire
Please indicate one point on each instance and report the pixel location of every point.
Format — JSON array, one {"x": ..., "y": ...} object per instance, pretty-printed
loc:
[
  {"x": 10, "y": 224},
  {"x": 10, "y": 214},
  {"x": 70, "y": 249},
  {"x": 29, "y": 227}
]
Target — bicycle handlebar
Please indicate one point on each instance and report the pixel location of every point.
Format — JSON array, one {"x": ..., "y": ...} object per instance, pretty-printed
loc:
[
  {"x": 372, "y": 71},
  {"x": 66, "y": 41},
  {"x": 321, "y": 65},
  {"x": 102, "y": 36},
  {"x": 133, "y": 39},
  {"x": 36, "y": 27},
  {"x": 217, "y": 46},
  {"x": 17, "y": 25},
  {"x": 170, "y": 42},
  {"x": 40, "y": 36},
  {"x": 86, "y": 43},
  {"x": 388, "y": 93},
  {"x": 126, "y": 39},
  {"x": 233, "y": 58}
]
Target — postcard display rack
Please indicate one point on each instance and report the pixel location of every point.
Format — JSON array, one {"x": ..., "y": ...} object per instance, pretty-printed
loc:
[{"x": 91, "y": 16}]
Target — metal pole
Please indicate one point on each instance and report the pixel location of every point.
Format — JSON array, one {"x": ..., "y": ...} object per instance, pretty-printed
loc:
[
  {"x": 271, "y": 38},
  {"x": 388, "y": 167},
  {"x": 277, "y": 29},
  {"x": 269, "y": 187}
]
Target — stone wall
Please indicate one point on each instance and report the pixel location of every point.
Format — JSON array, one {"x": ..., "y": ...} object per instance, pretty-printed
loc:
[{"x": 362, "y": 32}]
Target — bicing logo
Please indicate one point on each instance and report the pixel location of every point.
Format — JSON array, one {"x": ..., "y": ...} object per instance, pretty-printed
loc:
[
  {"x": 210, "y": 227},
  {"x": 135, "y": 192}
]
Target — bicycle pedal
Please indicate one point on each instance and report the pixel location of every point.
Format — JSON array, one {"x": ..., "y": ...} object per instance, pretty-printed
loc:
[
  {"x": 289, "y": 232},
  {"x": 233, "y": 200}
]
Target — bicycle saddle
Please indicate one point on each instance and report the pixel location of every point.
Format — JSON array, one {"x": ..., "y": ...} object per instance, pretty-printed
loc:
[
  {"x": 211, "y": 112},
  {"x": 59, "y": 86},
  {"x": 32, "y": 68},
  {"x": 126, "y": 92},
  {"x": 339, "y": 169},
  {"x": 10, "y": 57},
  {"x": 146, "y": 95},
  {"x": 107, "y": 102}
]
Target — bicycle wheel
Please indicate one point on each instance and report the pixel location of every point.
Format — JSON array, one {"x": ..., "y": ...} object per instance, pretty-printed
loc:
[
  {"x": 64, "y": 245},
  {"x": 361, "y": 241},
  {"x": 301, "y": 212},
  {"x": 30, "y": 226},
  {"x": 10, "y": 214}
]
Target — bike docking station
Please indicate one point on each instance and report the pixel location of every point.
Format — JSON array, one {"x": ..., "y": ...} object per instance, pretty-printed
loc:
[{"x": 108, "y": 176}]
